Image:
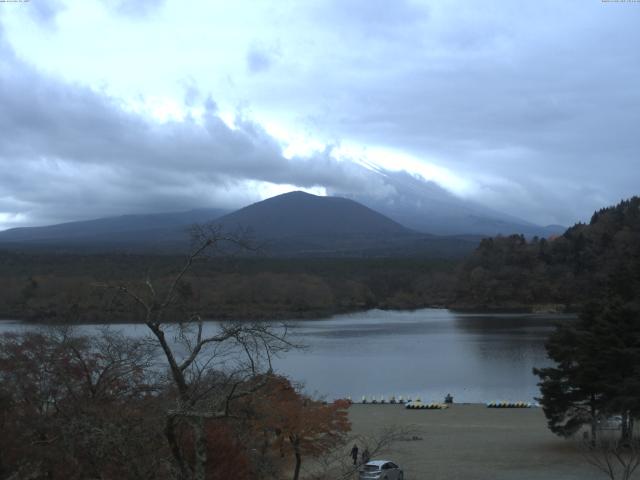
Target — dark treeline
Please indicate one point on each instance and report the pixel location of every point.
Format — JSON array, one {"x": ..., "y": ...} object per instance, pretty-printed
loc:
[
  {"x": 594, "y": 381},
  {"x": 563, "y": 272},
  {"x": 69, "y": 288},
  {"x": 511, "y": 272}
]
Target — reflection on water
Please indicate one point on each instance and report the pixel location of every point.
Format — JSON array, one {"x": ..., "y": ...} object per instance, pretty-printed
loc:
[{"x": 427, "y": 352}]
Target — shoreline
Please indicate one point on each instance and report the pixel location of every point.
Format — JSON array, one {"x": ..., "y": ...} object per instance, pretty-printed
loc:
[
  {"x": 302, "y": 316},
  {"x": 275, "y": 316},
  {"x": 283, "y": 315},
  {"x": 516, "y": 309}
]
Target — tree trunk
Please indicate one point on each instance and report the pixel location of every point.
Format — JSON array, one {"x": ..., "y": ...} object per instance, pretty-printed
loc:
[
  {"x": 296, "y": 449},
  {"x": 627, "y": 427},
  {"x": 594, "y": 423},
  {"x": 176, "y": 373},
  {"x": 170, "y": 433},
  {"x": 200, "y": 449}
]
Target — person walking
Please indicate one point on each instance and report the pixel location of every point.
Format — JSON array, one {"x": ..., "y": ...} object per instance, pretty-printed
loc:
[
  {"x": 354, "y": 454},
  {"x": 366, "y": 456}
]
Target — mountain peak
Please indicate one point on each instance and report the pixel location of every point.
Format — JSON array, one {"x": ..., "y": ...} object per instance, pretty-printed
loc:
[
  {"x": 296, "y": 193},
  {"x": 303, "y": 214}
]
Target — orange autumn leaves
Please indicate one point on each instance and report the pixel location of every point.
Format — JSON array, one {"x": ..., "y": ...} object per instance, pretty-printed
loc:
[
  {"x": 297, "y": 425},
  {"x": 277, "y": 428}
]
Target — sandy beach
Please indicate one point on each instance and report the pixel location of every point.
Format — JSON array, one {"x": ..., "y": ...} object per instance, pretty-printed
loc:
[{"x": 473, "y": 442}]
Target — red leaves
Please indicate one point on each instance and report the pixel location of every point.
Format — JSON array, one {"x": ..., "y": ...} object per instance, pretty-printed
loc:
[
  {"x": 70, "y": 406},
  {"x": 299, "y": 423}
]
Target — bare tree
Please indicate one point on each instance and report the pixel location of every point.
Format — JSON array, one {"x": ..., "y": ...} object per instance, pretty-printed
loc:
[
  {"x": 615, "y": 458},
  {"x": 76, "y": 407},
  {"x": 210, "y": 365}
]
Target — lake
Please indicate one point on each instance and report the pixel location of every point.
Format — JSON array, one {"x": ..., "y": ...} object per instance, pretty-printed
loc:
[{"x": 426, "y": 353}]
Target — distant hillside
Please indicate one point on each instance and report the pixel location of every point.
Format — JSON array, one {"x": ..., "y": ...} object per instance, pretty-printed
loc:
[
  {"x": 567, "y": 270},
  {"x": 301, "y": 224},
  {"x": 426, "y": 207},
  {"x": 292, "y": 224},
  {"x": 126, "y": 231}
]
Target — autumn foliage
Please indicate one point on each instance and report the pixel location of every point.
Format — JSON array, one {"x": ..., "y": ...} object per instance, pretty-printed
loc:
[
  {"x": 298, "y": 426},
  {"x": 74, "y": 407}
]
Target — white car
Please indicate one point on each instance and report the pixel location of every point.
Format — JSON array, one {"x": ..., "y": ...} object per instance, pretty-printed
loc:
[{"x": 381, "y": 470}]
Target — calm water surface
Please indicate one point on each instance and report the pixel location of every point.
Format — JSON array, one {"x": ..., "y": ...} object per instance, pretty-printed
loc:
[{"x": 426, "y": 353}]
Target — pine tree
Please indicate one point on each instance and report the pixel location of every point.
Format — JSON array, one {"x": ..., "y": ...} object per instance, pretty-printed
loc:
[
  {"x": 571, "y": 394},
  {"x": 597, "y": 370}
]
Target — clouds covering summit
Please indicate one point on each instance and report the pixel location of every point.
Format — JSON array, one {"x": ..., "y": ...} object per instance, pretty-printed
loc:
[{"x": 122, "y": 107}]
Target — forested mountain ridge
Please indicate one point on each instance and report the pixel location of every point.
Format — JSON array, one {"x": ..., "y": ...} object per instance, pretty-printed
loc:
[
  {"x": 294, "y": 224},
  {"x": 148, "y": 230},
  {"x": 555, "y": 273}
]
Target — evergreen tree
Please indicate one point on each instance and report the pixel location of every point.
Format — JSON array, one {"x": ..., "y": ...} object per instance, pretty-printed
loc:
[
  {"x": 571, "y": 394},
  {"x": 597, "y": 358},
  {"x": 568, "y": 270},
  {"x": 617, "y": 326}
]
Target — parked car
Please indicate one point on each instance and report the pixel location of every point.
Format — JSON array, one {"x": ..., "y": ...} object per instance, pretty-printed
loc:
[
  {"x": 381, "y": 470},
  {"x": 613, "y": 422}
]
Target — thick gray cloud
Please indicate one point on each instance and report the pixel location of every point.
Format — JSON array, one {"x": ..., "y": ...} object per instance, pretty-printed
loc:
[
  {"x": 534, "y": 105},
  {"x": 68, "y": 152},
  {"x": 537, "y": 102}
]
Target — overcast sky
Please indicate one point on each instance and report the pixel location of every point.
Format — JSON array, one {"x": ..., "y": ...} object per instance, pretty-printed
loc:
[{"x": 128, "y": 106}]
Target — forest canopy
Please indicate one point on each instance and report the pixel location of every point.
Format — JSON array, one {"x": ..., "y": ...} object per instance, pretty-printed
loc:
[{"x": 562, "y": 272}]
